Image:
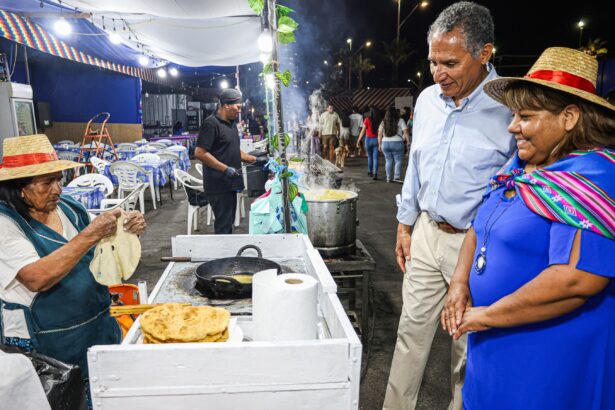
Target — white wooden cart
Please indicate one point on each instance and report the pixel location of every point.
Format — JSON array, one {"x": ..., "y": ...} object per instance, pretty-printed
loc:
[{"x": 318, "y": 374}]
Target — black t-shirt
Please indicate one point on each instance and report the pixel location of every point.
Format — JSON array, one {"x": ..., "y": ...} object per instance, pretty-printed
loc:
[{"x": 221, "y": 139}]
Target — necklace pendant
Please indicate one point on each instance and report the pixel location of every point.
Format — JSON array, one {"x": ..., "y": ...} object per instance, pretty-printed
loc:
[{"x": 481, "y": 262}]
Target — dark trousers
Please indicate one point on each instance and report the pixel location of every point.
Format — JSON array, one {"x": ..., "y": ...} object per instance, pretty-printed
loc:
[{"x": 224, "y": 205}]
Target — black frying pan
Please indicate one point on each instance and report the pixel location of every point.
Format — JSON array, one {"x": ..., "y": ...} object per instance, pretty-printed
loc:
[{"x": 215, "y": 278}]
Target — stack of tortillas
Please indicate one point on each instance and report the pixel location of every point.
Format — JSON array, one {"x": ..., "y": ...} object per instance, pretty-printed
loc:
[
  {"x": 176, "y": 323},
  {"x": 116, "y": 257}
]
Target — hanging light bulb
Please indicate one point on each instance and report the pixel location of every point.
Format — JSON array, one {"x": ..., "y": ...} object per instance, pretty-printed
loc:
[
  {"x": 264, "y": 42},
  {"x": 115, "y": 38},
  {"x": 269, "y": 81},
  {"x": 265, "y": 58},
  {"x": 146, "y": 94},
  {"x": 63, "y": 27},
  {"x": 162, "y": 73},
  {"x": 224, "y": 84},
  {"x": 143, "y": 60},
  {"x": 173, "y": 71}
]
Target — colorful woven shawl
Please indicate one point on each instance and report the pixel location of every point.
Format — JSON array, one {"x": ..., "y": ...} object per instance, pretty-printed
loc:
[{"x": 577, "y": 190}]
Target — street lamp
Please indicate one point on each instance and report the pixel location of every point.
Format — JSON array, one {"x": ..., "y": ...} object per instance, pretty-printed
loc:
[
  {"x": 422, "y": 4},
  {"x": 581, "y": 25},
  {"x": 367, "y": 44}
]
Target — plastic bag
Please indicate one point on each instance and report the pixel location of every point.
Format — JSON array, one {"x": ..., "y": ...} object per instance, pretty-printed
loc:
[
  {"x": 62, "y": 382},
  {"x": 266, "y": 216}
]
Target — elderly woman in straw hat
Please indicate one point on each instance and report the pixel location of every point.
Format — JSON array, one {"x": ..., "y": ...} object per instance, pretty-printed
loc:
[
  {"x": 49, "y": 300},
  {"x": 533, "y": 283}
]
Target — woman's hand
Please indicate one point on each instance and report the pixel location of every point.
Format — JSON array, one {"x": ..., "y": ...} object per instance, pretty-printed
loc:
[
  {"x": 134, "y": 222},
  {"x": 474, "y": 320},
  {"x": 104, "y": 225},
  {"x": 380, "y": 147},
  {"x": 458, "y": 300}
]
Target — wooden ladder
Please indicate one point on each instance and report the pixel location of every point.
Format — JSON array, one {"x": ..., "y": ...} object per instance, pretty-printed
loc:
[{"x": 95, "y": 140}]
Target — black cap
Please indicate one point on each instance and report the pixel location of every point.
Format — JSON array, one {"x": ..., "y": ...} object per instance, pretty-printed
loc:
[{"x": 230, "y": 96}]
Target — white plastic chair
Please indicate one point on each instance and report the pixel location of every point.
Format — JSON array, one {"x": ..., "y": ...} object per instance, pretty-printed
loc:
[
  {"x": 188, "y": 181},
  {"x": 98, "y": 180},
  {"x": 128, "y": 203},
  {"x": 157, "y": 145},
  {"x": 146, "y": 158},
  {"x": 174, "y": 158},
  {"x": 127, "y": 175},
  {"x": 163, "y": 141},
  {"x": 65, "y": 142},
  {"x": 127, "y": 145},
  {"x": 199, "y": 168},
  {"x": 147, "y": 148},
  {"x": 99, "y": 164},
  {"x": 68, "y": 174}
]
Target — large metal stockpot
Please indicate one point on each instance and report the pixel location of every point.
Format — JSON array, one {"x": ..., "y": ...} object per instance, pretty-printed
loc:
[{"x": 332, "y": 223}]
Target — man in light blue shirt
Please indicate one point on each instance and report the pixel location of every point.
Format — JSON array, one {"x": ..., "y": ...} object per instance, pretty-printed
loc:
[{"x": 460, "y": 140}]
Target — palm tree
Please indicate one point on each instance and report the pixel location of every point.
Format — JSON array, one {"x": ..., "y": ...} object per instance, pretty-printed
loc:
[
  {"x": 362, "y": 65},
  {"x": 396, "y": 53},
  {"x": 595, "y": 47}
]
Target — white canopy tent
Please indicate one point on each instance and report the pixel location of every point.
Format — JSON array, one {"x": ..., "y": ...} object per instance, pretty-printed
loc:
[{"x": 192, "y": 33}]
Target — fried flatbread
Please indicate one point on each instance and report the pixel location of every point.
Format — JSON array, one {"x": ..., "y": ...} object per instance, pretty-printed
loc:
[{"x": 175, "y": 323}]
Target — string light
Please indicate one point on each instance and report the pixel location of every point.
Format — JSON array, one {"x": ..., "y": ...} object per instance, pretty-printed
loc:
[
  {"x": 174, "y": 72},
  {"x": 162, "y": 73},
  {"x": 143, "y": 60},
  {"x": 265, "y": 44}
]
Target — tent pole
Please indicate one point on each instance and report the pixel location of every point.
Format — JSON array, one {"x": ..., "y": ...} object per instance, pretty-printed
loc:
[{"x": 277, "y": 108}]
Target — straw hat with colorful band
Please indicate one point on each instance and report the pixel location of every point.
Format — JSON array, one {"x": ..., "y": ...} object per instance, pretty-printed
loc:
[
  {"x": 564, "y": 69},
  {"x": 30, "y": 156}
]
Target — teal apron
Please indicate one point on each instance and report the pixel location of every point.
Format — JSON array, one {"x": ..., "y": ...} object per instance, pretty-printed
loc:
[{"x": 73, "y": 315}]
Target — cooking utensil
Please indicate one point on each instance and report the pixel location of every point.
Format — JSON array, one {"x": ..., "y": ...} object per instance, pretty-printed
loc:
[
  {"x": 120, "y": 310},
  {"x": 332, "y": 224},
  {"x": 216, "y": 278}
]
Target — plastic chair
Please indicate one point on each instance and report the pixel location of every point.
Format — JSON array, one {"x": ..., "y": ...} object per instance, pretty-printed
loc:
[
  {"x": 146, "y": 158},
  {"x": 65, "y": 142},
  {"x": 128, "y": 203},
  {"x": 199, "y": 168},
  {"x": 147, "y": 148},
  {"x": 128, "y": 178},
  {"x": 127, "y": 145},
  {"x": 69, "y": 174},
  {"x": 157, "y": 145},
  {"x": 174, "y": 158},
  {"x": 99, "y": 164},
  {"x": 163, "y": 141},
  {"x": 196, "y": 185},
  {"x": 98, "y": 180}
]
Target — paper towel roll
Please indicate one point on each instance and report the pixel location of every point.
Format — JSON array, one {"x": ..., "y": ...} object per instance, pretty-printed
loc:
[{"x": 284, "y": 307}]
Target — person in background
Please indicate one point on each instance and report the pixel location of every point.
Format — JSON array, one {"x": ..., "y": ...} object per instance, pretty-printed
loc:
[
  {"x": 218, "y": 149},
  {"x": 356, "y": 122},
  {"x": 330, "y": 124},
  {"x": 178, "y": 128},
  {"x": 392, "y": 138},
  {"x": 405, "y": 115},
  {"x": 534, "y": 282},
  {"x": 49, "y": 299},
  {"x": 459, "y": 141},
  {"x": 345, "y": 130},
  {"x": 370, "y": 130}
]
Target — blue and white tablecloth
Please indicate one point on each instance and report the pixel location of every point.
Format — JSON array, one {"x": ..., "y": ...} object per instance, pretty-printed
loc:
[{"x": 90, "y": 196}]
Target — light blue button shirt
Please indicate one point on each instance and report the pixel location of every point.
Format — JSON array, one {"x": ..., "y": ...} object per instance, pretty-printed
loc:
[{"x": 455, "y": 150}]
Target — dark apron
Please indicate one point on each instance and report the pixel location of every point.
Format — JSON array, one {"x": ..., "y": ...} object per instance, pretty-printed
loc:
[{"x": 72, "y": 316}]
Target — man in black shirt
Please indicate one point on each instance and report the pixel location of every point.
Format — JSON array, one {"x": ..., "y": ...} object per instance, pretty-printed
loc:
[{"x": 218, "y": 149}]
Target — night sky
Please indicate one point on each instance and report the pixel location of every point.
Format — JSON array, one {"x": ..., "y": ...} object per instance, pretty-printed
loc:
[{"x": 522, "y": 28}]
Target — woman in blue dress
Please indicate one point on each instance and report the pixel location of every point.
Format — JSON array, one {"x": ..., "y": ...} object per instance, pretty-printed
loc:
[{"x": 533, "y": 286}]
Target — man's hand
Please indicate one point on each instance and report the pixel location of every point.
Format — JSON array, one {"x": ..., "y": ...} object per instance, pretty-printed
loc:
[
  {"x": 231, "y": 172},
  {"x": 402, "y": 247},
  {"x": 260, "y": 161}
]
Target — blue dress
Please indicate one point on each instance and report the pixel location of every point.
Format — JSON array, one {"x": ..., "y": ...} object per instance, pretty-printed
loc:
[{"x": 563, "y": 363}]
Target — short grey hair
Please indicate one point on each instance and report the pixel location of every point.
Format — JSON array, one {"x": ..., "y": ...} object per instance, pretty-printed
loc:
[{"x": 474, "y": 20}]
